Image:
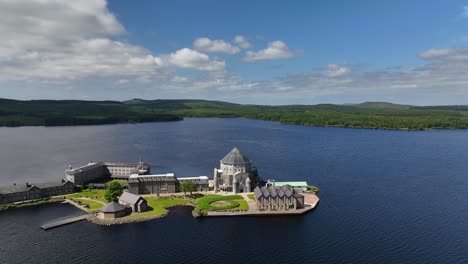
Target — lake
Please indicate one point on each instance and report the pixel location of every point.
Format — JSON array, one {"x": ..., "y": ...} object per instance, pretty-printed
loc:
[{"x": 386, "y": 196}]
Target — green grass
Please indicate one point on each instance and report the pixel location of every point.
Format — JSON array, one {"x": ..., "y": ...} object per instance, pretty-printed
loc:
[
  {"x": 121, "y": 182},
  {"x": 157, "y": 207},
  {"x": 203, "y": 205},
  {"x": 315, "y": 189},
  {"x": 243, "y": 206},
  {"x": 251, "y": 196},
  {"x": 24, "y": 204},
  {"x": 92, "y": 194},
  {"x": 93, "y": 205}
]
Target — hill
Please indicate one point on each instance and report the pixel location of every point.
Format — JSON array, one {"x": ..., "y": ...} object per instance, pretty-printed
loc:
[{"x": 366, "y": 115}]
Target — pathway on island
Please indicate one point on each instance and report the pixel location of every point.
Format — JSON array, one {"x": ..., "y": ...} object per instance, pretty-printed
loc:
[
  {"x": 250, "y": 202},
  {"x": 89, "y": 199}
]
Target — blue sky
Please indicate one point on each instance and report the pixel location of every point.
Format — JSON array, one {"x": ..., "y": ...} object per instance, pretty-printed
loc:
[{"x": 264, "y": 52}]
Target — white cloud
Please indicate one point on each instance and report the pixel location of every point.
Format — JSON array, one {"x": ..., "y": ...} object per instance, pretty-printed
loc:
[
  {"x": 274, "y": 50},
  {"x": 434, "y": 53},
  {"x": 70, "y": 40},
  {"x": 242, "y": 42},
  {"x": 219, "y": 46},
  {"x": 123, "y": 81},
  {"x": 334, "y": 70},
  {"x": 192, "y": 59},
  {"x": 444, "y": 75},
  {"x": 70, "y": 49}
]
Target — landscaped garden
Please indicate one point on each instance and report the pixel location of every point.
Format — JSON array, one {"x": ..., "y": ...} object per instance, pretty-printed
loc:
[
  {"x": 93, "y": 200},
  {"x": 220, "y": 203}
]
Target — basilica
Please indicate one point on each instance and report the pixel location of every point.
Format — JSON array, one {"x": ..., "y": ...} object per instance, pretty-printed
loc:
[{"x": 236, "y": 174}]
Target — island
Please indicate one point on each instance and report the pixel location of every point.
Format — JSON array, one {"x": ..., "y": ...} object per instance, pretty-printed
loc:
[{"x": 126, "y": 192}]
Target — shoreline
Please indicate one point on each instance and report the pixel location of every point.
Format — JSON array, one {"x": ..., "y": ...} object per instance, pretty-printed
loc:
[
  {"x": 312, "y": 200},
  {"x": 257, "y": 119},
  {"x": 30, "y": 203},
  {"x": 119, "y": 221}
]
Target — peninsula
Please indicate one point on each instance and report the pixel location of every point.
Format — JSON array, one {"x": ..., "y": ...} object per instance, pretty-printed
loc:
[{"x": 376, "y": 115}]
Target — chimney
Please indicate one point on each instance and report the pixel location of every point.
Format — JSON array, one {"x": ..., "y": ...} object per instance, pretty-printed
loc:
[{"x": 28, "y": 184}]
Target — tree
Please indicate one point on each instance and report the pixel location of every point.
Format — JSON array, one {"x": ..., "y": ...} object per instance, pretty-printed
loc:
[
  {"x": 113, "y": 192},
  {"x": 188, "y": 186}
]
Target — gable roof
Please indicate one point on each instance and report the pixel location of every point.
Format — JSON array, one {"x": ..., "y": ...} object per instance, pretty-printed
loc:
[
  {"x": 258, "y": 193},
  {"x": 129, "y": 198},
  {"x": 112, "y": 207},
  {"x": 235, "y": 157},
  {"x": 17, "y": 188}
]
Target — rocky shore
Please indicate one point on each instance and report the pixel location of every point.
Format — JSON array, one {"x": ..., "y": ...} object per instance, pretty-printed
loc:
[{"x": 108, "y": 222}]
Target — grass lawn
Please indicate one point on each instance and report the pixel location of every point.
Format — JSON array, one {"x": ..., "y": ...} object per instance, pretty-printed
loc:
[
  {"x": 158, "y": 206},
  {"x": 121, "y": 182},
  {"x": 220, "y": 202},
  {"x": 250, "y": 195},
  {"x": 243, "y": 206},
  {"x": 315, "y": 189},
  {"x": 92, "y": 194},
  {"x": 23, "y": 204},
  {"x": 93, "y": 205}
]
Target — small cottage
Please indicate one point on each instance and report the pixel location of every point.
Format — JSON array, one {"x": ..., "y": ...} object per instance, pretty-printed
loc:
[
  {"x": 136, "y": 202},
  {"x": 112, "y": 210}
]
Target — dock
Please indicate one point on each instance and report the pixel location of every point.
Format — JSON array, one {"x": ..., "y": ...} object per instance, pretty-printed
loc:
[{"x": 65, "y": 221}]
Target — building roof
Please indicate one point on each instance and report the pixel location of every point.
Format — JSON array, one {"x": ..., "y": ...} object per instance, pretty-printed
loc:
[
  {"x": 112, "y": 207},
  {"x": 235, "y": 157},
  {"x": 193, "y": 178},
  {"x": 86, "y": 167},
  {"x": 126, "y": 164},
  {"x": 291, "y": 183},
  {"x": 51, "y": 184},
  {"x": 273, "y": 192},
  {"x": 15, "y": 188},
  {"x": 155, "y": 177},
  {"x": 286, "y": 190},
  {"x": 129, "y": 198},
  {"x": 258, "y": 193}
]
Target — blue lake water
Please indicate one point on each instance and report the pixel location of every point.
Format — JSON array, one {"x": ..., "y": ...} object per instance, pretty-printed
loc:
[{"x": 386, "y": 196}]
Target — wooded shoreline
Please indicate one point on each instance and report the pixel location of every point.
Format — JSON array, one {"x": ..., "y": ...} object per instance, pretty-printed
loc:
[{"x": 373, "y": 115}]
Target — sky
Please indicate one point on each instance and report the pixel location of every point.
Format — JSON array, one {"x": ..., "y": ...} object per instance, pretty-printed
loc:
[{"x": 250, "y": 52}]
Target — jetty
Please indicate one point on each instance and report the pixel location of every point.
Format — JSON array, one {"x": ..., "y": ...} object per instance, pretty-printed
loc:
[{"x": 65, "y": 221}]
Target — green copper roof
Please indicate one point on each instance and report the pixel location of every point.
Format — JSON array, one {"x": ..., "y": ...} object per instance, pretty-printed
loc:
[{"x": 291, "y": 183}]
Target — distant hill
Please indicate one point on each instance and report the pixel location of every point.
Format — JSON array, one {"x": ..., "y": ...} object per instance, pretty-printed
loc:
[
  {"x": 365, "y": 115},
  {"x": 382, "y": 105}
]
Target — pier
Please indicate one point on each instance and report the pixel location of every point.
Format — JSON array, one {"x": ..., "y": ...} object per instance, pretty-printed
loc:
[{"x": 65, "y": 221}]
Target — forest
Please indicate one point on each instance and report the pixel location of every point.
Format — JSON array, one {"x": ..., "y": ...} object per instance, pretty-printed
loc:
[{"x": 376, "y": 115}]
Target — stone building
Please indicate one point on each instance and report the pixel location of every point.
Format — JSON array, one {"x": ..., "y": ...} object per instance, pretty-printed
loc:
[
  {"x": 277, "y": 198},
  {"x": 200, "y": 181},
  {"x": 18, "y": 193},
  {"x": 153, "y": 184},
  {"x": 137, "y": 203},
  {"x": 235, "y": 174},
  {"x": 56, "y": 188},
  {"x": 106, "y": 170},
  {"x": 112, "y": 211}
]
